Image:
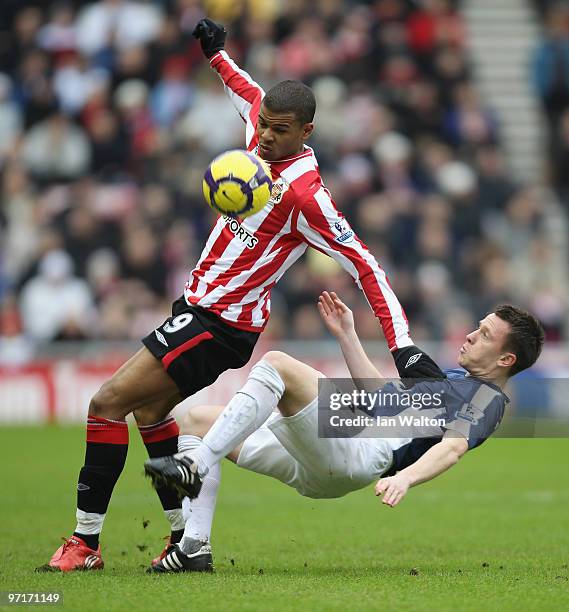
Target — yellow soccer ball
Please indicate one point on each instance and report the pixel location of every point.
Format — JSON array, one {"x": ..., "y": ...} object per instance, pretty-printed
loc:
[{"x": 237, "y": 184}]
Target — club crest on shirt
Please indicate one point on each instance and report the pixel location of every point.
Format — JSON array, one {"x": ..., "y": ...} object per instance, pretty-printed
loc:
[
  {"x": 280, "y": 187},
  {"x": 343, "y": 231},
  {"x": 468, "y": 413}
]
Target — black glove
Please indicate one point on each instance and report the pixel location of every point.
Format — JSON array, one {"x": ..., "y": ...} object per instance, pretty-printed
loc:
[
  {"x": 211, "y": 36},
  {"x": 412, "y": 362}
]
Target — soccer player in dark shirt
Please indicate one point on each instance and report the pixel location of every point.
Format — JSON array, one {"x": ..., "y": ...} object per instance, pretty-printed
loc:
[{"x": 271, "y": 425}]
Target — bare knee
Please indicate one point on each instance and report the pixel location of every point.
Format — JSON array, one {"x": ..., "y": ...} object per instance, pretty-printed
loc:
[
  {"x": 106, "y": 402},
  {"x": 284, "y": 364},
  {"x": 199, "y": 419},
  {"x": 114, "y": 401},
  {"x": 141, "y": 386},
  {"x": 301, "y": 381}
]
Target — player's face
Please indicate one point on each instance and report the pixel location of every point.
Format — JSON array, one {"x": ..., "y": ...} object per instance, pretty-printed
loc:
[
  {"x": 483, "y": 352},
  {"x": 281, "y": 135}
]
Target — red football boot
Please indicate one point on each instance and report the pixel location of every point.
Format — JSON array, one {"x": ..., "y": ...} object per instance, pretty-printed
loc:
[
  {"x": 74, "y": 554},
  {"x": 169, "y": 546}
]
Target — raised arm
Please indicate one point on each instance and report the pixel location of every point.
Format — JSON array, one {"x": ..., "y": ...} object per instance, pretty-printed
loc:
[
  {"x": 242, "y": 90},
  {"x": 438, "y": 459},
  {"x": 339, "y": 320}
]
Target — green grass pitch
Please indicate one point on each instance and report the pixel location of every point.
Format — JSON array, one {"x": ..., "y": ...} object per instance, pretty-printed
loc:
[{"x": 492, "y": 534}]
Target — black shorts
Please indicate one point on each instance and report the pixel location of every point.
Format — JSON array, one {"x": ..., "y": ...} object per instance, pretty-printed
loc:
[{"x": 195, "y": 346}]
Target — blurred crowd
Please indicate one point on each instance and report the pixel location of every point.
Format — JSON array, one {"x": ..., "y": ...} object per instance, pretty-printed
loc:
[
  {"x": 109, "y": 115},
  {"x": 550, "y": 78}
]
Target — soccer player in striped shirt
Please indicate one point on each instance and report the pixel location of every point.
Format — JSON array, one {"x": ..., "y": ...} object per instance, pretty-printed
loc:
[
  {"x": 226, "y": 302},
  {"x": 271, "y": 426}
]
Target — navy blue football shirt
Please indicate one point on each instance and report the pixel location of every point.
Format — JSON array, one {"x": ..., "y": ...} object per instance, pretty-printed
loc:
[{"x": 471, "y": 407}]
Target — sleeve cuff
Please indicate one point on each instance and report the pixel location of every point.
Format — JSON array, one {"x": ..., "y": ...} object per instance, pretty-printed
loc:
[
  {"x": 461, "y": 427},
  {"x": 215, "y": 58}
]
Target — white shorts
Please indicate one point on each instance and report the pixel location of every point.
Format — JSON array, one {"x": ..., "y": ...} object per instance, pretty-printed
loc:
[{"x": 289, "y": 449}]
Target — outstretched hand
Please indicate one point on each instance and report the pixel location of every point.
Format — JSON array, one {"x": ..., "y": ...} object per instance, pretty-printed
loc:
[
  {"x": 211, "y": 36},
  {"x": 337, "y": 317}
]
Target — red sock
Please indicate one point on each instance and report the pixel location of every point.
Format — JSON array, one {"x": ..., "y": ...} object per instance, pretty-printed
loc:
[
  {"x": 161, "y": 440},
  {"x": 105, "y": 456}
]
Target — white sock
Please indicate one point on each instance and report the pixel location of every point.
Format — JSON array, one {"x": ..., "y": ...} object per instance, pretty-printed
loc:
[
  {"x": 175, "y": 518},
  {"x": 198, "y": 512},
  {"x": 246, "y": 412},
  {"x": 89, "y": 523}
]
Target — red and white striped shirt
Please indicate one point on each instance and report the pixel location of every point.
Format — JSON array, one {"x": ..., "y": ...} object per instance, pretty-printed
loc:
[{"x": 242, "y": 260}]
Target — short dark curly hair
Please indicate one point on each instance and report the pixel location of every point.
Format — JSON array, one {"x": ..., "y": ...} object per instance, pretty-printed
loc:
[
  {"x": 526, "y": 336},
  {"x": 292, "y": 97}
]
